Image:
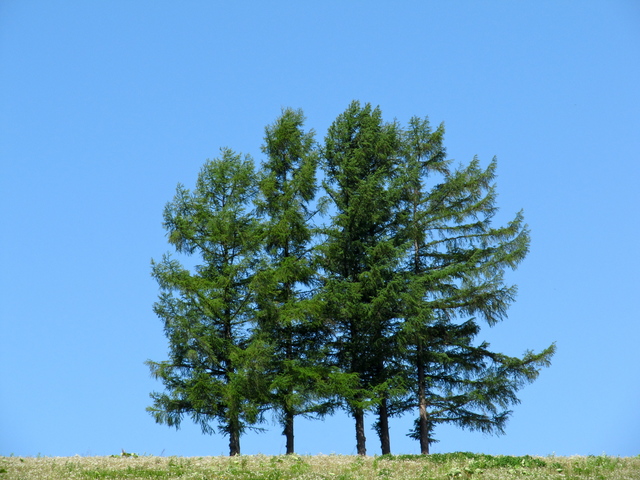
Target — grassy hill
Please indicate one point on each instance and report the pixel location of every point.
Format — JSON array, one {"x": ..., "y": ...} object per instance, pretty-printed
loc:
[{"x": 450, "y": 466}]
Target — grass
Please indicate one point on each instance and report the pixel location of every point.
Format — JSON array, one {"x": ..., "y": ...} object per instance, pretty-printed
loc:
[{"x": 449, "y": 466}]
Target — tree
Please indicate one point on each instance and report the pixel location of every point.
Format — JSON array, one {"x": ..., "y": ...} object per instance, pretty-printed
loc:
[
  {"x": 379, "y": 311},
  {"x": 360, "y": 255},
  {"x": 213, "y": 371},
  {"x": 286, "y": 308},
  {"x": 455, "y": 271}
]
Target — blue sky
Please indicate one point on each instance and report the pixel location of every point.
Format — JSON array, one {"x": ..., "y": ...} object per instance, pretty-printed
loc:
[{"x": 106, "y": 106}]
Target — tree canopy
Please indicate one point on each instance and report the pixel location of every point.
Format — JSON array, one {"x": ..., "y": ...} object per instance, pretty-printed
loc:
[{"x": 366, "y": 291}]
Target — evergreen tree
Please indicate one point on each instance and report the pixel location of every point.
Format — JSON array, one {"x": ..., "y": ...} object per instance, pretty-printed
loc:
[
  {"x": 360, "y": 255},
  {"x": 455, "y": 271},
  {"x": 382, "y": 316},
  {"x": 286, "y": 319},
  {"x": 214, "y": 369}
]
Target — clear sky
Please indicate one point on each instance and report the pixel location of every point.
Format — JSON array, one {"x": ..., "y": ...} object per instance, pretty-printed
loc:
[{"x": 106, "y": 106}]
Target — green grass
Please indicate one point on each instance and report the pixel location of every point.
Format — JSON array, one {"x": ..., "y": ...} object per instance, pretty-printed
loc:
[{"x": 448, "y": 466}]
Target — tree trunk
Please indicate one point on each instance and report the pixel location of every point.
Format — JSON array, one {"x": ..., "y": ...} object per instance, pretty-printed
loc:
[
  {"x": 288, "y": 411},
  {"x": 383, "y": 426},
  {"x": 423, "y": 420},
  {"x": 361, "y": 439},
  {"x": 234, "y": 442},
  {"x": 233, "y": 418},
  {"x": 288, "y": 430}
]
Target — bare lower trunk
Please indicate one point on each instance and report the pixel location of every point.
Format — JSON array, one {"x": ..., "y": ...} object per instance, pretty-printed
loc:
[
  {"x": 233, "y": 420},
  {"x": 288, "y": 430},
  {"x": 234, "y": 443},
  {"x": 361, "y": 440},
  {"x": 289, "y": 392},
  {"x": 423, "y": 420},
  {"x": 383, "y": 427}
]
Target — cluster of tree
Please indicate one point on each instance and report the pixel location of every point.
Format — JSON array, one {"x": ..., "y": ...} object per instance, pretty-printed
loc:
[{"x": 376, "y": 310}]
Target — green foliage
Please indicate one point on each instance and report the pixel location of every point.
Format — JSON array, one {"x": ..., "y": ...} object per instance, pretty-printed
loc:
[
  {"x": 454, "y": 275},
  {"x": 361, "y": 253},
  {"x": 298, "y": 374},
  {"x": 409, "y": 269},
  {"x": 213, "y": 372},
  {"x": 376, "y": 308}
]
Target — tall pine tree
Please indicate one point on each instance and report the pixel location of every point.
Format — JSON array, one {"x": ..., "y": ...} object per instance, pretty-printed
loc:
[
  {"x": 454, "y": 273},
  {"x": 381, "y": 316},
  {"x": 287, "y": 322},
  {"x": 213, "y": 370},
  {"x": 360, "y": 255}
]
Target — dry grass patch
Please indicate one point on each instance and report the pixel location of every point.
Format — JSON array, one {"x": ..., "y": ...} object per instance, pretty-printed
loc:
[{"x": 451, "y": 466}]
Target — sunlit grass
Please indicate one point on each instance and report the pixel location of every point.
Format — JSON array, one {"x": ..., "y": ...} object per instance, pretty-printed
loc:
[{"x": 449, "y": 466}]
